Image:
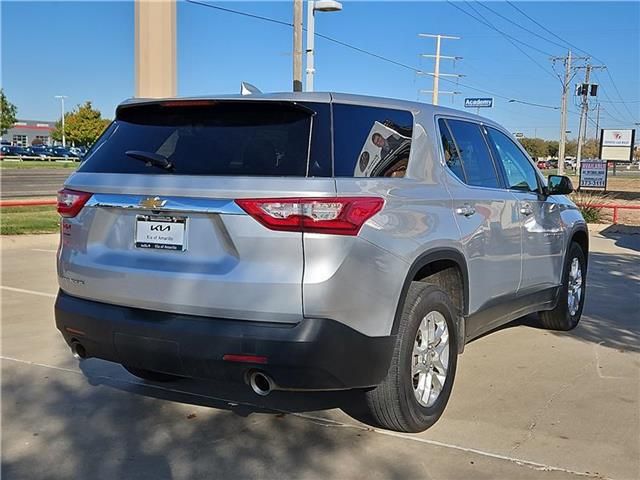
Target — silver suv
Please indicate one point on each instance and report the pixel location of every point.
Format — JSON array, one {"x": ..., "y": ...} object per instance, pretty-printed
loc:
[{"x": 311, "y": 242}]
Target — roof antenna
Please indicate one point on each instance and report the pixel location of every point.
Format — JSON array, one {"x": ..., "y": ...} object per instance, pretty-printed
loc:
[{"x": 247, "y": 89}]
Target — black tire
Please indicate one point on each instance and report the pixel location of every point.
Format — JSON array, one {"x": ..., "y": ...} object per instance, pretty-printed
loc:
[
  {"x": 151, "y": 375},
  {"x": 560, "y": 318},
  {"x": 393, "y": 404}
]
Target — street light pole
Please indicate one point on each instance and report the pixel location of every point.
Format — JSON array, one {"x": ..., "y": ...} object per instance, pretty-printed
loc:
[
  {"x": 312, "y": 7},
  {"x": 297, "y": 45},
  {"x": 62, "y": 97},
  {"x": 311, "y": 27}
]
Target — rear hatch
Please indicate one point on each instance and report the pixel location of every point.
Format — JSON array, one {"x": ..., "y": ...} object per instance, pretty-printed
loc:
[{"x": 159, "y": 227}]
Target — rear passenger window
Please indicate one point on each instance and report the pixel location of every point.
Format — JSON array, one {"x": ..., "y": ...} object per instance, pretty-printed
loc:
[
  {"x": 473, "y": 150},
  {"x": 370, "y": 141}
]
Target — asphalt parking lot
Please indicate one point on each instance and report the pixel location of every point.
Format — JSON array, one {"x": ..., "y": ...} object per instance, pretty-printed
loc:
[
  {"x": 527, "y": 403},
  {"x": 33, "y": 182}
]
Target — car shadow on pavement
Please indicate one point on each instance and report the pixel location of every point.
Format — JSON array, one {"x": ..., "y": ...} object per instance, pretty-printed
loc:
[
  {"x": 118, "y": 429},
  {"x": 612, "y": 305},
  {"x": 625, "y": 236}
]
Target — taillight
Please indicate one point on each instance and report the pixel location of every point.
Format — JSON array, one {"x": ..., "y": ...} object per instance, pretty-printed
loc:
[
  {"x": 332, "y": 215},
  {"x": 70, "y": 202}
]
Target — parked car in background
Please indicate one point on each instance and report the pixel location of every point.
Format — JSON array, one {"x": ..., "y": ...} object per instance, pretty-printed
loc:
[
  {"x": 543, "y": 164},
  {"x": 78, "y": 151},
  {"x": 312, "y": 242},
  {"x": 14, "y": 151},
  {"x": 39, "y": 152},
  {"x": 65, "y": 153}
]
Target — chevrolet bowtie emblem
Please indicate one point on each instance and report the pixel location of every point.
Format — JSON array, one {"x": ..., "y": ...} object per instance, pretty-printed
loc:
[{"x": 152, "y": 202}]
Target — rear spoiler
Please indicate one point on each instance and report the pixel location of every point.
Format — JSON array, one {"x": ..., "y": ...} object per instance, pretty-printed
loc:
[{"x": 198, "y": 102}]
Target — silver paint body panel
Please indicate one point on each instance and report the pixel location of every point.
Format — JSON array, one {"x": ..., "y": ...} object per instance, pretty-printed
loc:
[{"x": 236, "y": 268}]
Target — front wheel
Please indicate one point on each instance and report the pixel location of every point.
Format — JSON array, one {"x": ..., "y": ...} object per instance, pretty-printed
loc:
[
  {"x": 418, "y": 384},
  {"x": 567, "y": 313}
]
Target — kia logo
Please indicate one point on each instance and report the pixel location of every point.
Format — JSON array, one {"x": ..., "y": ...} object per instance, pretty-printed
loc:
[{"x": 160, "y": 228}]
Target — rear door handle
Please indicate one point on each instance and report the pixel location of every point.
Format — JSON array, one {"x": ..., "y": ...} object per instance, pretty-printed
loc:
[
  {"x": 526, "y": 209},
  {"x": 466, "y": 210}
]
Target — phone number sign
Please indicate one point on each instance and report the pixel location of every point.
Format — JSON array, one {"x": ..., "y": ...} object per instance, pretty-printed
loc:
[{"x": 593, "y": 174}]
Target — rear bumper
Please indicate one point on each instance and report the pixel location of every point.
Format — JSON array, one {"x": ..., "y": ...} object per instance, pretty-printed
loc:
[{"x": 315, "y": 354}]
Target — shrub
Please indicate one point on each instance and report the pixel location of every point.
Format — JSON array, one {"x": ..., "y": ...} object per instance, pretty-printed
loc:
[{"x": 586, "y": 202}]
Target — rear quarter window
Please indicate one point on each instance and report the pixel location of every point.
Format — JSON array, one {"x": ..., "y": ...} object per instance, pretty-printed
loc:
[{"x": 370, "y": 141}]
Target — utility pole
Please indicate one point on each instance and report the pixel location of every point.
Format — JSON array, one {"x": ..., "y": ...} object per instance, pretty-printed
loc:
[
  {"x": 569, "y": 73},
  {"x": 563, "y": 113},
  {"x": 585, "y": 90},
  {"x": 436, "y": 70},
  {"x": 62, "y": 97},
  {"x": 297, "y": 45},
  {"x": 155, "y": 48},
  {"x": 597, "y": 132}
]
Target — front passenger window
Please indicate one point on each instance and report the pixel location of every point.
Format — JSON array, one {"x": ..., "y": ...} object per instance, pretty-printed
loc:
[{"x": 518, "y": 169}]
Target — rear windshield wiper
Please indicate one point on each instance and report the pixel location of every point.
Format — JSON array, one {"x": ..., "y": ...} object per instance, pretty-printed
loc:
[{"x": 151, "y": 159}]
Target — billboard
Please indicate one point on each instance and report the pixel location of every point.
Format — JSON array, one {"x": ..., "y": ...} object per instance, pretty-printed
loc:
[
  {"x": 486, "y": 102},
  {"x": 616, "y": 145}
]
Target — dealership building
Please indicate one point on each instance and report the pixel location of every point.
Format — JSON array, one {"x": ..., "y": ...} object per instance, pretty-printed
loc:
[{"x": 25, "y": 132}]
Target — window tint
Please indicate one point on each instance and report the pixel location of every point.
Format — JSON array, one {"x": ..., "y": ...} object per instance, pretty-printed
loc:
[
  {"x": 518, "y": 170},
  {"x": 478, "y": 165},
  {"x": 216, "y": 138},
  {"x": 371, "y": 142},
  {"x": 451, "y": 155}
]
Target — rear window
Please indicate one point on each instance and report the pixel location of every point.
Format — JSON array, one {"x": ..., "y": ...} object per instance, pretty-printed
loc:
[
  {"x": 370, "y": 141},
  {"x": 216, "y": 138}
]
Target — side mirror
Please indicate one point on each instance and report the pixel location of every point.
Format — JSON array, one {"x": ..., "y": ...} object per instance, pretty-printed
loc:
[{"x": 559, "y": 185}]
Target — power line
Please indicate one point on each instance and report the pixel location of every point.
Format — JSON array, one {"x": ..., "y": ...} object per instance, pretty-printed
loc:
[
  {"x": 626, "y": 101},
  {"x": 615, "y": 87},
  {"x": 613, "y": 105},
  {"x": 352, "y": 47},
  {"x": 547, "y": 30},
  {"x": 511, "y": 21},
  {"x": 578, "y": 49},
  {"x": 488, "y": 24},
  {"x": 244, "y": 14},
  {"x": 509, "y": 38}
]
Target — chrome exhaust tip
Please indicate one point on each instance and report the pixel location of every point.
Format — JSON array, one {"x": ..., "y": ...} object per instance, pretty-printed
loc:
[
  {"x": 261, "y": 383},
  {"x": 79, "y": 352}
]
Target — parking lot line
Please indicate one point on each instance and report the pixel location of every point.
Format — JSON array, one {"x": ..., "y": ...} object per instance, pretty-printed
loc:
[
  {"x": 30, "y": 292},
  {"x": 331, "y": 423}
]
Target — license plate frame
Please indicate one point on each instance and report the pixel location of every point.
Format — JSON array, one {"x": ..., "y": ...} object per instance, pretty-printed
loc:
[{"x": 164, "y": 239}]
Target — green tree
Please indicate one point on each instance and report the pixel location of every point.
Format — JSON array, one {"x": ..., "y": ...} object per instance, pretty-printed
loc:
[
  {"x": 591, "y": 149},
  {"x": 552, "y": 148},
  {"x": 571, "y": 148},
  {"x": 82, "y": 126},
  {"x": 8, "y": 113},
  {"x": 536, "y": 147}
]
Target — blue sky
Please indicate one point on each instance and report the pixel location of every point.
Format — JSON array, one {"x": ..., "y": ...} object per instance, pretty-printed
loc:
[{"x": 85, "y": 50}]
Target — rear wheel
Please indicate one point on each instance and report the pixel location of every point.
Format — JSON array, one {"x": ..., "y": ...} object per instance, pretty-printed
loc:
[
  {"x": 151, "y": 375},
  {"x": 567, "y": 312},
  {"x": 419, "y": 381}
]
